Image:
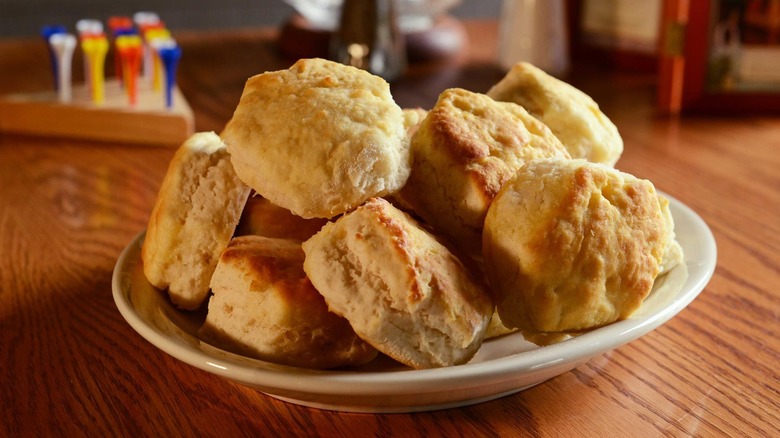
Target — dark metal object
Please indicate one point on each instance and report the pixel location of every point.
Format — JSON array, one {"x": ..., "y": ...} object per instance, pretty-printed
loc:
[{"x": 368, "y": 38}]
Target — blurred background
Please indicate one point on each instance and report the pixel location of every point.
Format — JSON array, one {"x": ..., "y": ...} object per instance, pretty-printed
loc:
[
  {"x": 728, "y": 47},
  {"x": 20, "y": 18}
]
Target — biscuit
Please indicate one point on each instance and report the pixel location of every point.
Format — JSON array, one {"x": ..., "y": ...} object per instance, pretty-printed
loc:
[
  {"x": 497, "y": 328},
  {"x": 464, "y": 150},
  {"x": 571, "y": 114},
  {"x": 673, "y": 253},
  {"x": 264, "y": 307},
  {"x": 571, "y": 245},
  {"x": 196, "y": 211},
  {"x": 412, "y": 119},
  {"x": 318, "y": 139},
  {"x": 401, "y": 290},
  {"x": 263, "y": 218}
]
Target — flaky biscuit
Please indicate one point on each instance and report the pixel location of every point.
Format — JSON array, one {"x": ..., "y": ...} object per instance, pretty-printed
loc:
[
  {"x": 571, "y": 245},
  {"x": 673, "y": 253},
  {"x": 196, "y": 211},
  {"x": 264, "y": 307},
  {"x": 319, "y": 138},
  {"x": 412, "y": 119},
  {"x": 464, "y": 150},
  {"x": 572, "y": 115},
  {"x": 400, "y": 289}
]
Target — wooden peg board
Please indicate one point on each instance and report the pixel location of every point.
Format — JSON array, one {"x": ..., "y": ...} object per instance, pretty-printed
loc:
[{"x": 115, "y": 120}]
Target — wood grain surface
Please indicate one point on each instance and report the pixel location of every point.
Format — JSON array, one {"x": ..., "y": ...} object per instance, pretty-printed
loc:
[{"x": 71, "y": 366}]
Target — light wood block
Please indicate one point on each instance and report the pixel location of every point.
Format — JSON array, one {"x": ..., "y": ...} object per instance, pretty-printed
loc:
[{"x": 147, "y": 122}]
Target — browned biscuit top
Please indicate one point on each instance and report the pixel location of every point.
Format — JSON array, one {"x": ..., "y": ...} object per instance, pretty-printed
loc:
[
  {"x": 573, "y": 116},
  {"x": 571, "y": 245},
  {"x": 265, "y": 307},
  {"x": 318, "y": 138},
  {"x": 401, "y": 290},
  {"x": 464, "y": 151}
]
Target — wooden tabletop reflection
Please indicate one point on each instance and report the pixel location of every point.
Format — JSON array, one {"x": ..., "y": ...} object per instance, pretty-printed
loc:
[{"x": 73, "y": 366}]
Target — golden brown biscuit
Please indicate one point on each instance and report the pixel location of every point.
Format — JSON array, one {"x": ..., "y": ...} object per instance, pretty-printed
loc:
[
  {"x": 673, "y": 253},
  {"x": 263, "y": 218},
  {"x": 464, "y": 150},
  {"x": 571, "y": 114},
  {"x": 264, "y": 307},
  {"x": 401, "y": 290},
  {"x": 571, "y": 245},
  {"x": 319, "y": 138},
  {"x": 194, "y": 216},
  {"x": 412, "y": 119}
]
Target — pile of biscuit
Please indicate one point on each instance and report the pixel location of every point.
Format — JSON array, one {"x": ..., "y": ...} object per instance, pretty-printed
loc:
[{"x": 325, "y": 224}]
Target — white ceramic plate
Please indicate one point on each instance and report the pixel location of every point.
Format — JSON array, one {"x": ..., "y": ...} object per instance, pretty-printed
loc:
[{"x": 503, "y": 365}]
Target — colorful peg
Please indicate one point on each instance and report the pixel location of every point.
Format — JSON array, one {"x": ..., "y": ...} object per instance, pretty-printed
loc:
[
  {"x": 119, "y": 25},
  {"x": 145, "y": 20},
  {"x": 155, "y": 33},
  {"x": 119, "y": 22},
  {"x": 117, "y": 58},
  {"x": 63, "y": 45},
  {"x": 149, "y": 32},
  {"x": 145, "y": 17},
  {"x": 129, "y": 49},
  {"x": 158, "y": 44},
  {"x": 95, "y": 49},
  {"x": 89, "y": 26},
  {"x": 46, "y": 33},
  {"x": 170, "y": 57}
]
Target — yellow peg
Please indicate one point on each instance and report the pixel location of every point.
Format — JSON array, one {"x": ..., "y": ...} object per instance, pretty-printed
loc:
[
  {"x": 157, "y": 68},
  {"x": 153, "y": 37},
  {"x": 156, "y": 32},
  {"x": 95, "y": 48}
]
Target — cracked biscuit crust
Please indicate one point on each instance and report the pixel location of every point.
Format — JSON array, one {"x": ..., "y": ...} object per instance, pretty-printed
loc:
[
  {"x": 464, "y": 150},
  {"x": 400, "y": 289},
  {"x": 318, "y": 139},
  {"x": 571, "y": 245}
]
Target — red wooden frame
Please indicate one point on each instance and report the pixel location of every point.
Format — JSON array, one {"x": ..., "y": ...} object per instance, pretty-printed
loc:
[{"x": 683, "y": 75}]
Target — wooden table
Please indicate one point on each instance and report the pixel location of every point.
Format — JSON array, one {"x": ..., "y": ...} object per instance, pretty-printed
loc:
[{"x": 72, "y": 366}]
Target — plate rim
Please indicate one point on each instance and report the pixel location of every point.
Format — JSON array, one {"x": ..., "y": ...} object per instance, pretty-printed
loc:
[{"x": 399, "y": 382}]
